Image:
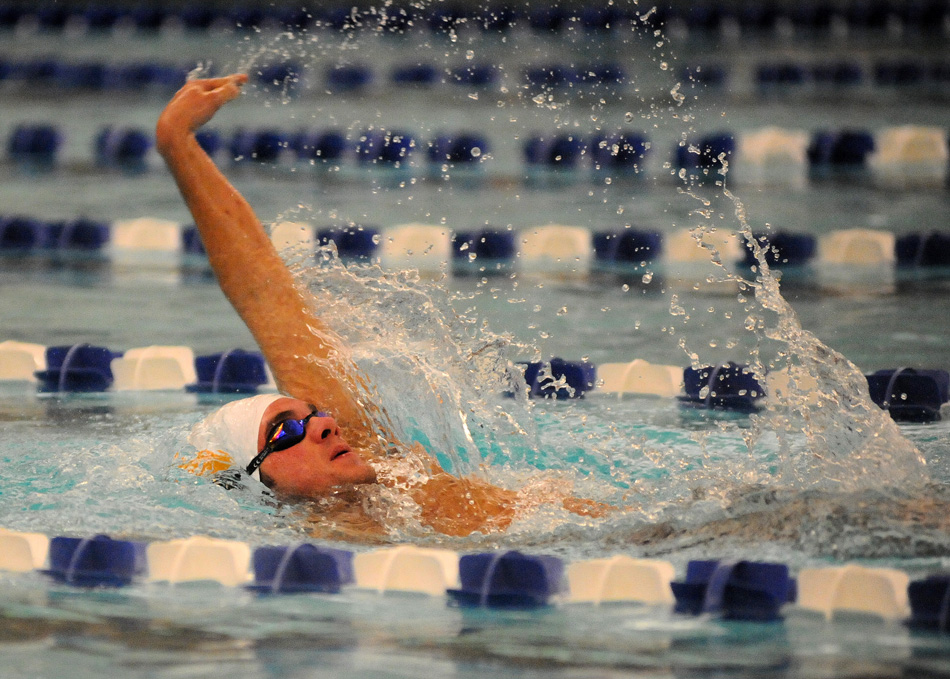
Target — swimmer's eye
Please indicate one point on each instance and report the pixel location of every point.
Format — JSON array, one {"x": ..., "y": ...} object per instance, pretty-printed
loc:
[{"x": 283, "y": 435}]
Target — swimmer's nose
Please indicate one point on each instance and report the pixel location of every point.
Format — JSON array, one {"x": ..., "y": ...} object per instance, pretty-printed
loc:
[{"x": 323, "y": 428}]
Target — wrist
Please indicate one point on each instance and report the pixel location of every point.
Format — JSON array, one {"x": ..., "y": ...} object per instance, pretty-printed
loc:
[{"x": 169, "y": 135}]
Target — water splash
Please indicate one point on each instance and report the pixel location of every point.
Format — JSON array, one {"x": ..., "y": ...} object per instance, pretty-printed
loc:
[
  {"x": 442, "y": 376},
  {"x": 439, "y": 373},
  {"x": 849, "y": 442}
]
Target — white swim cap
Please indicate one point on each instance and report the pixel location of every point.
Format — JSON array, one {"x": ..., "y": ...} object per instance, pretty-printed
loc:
[{"x": 233, "y": 428}]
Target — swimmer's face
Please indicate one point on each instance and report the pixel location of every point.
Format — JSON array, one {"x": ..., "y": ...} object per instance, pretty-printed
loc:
[{"x": 321, "y": 462}]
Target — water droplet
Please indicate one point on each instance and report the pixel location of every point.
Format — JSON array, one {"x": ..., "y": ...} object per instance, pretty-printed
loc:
[{"x": 647, "y": 278}]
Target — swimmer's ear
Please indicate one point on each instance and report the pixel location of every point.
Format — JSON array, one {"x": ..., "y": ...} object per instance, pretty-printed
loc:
[
  {"x": 229, "y": 479},
  {"x": 236, "y": 479}
]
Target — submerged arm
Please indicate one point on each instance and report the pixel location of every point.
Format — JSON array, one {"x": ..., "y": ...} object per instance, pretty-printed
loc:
[
  {"x": 461, "y": 506},
  {"x": 249, "y": 270}
]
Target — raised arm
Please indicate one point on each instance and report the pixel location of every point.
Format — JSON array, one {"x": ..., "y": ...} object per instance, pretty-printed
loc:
[{"x": 248, "y": 267}]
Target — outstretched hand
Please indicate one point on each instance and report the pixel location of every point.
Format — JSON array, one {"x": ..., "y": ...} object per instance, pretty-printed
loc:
[{"x": 195, "y": 104}]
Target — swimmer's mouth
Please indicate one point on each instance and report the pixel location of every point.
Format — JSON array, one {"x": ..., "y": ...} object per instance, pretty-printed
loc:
[{"x": 339, "y": 454}]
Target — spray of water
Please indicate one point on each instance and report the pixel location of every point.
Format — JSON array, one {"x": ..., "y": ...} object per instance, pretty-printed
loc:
[{"x": 439, "y": 374}]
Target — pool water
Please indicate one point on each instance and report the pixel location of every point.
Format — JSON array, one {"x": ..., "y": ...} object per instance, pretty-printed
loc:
[{"x": 800, "y": 483}]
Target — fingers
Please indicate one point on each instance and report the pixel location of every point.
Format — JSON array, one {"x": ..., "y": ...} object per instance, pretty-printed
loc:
[
  {"x": 228, "y": 86},
  {"x": 237, "y": 79}
]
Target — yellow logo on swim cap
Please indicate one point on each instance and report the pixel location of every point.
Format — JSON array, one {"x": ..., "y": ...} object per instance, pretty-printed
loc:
[{"x": 207, "y": 462}]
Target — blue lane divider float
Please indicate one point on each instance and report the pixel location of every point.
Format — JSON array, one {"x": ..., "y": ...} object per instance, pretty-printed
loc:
[
  {"x": 281, "y": 77},
  {"x": 354, "y": 242},
  {"x": 320, "y": 146},
  {"x": 628, "y": 247},
  {"x": 461, "y": 148},
  {"x": 97, "y": 561},
  {"x": 560, "y": 379},
  {"x": 916, "y": 250},
  {"x": 416, "y": 75},
  {"x": 507, "y": 580},
  {"x": 345, "y": 78},
  {"x": 22, "y": 234},
  {"x": 706, "y": 156},
  {"x": 78, "y": 235},
  {"x": 623, "y": 151},
  {"x": 728, "y": 386},
  {"x": 930, "y": 603},
  {"x": 36, "y": 143},
  {"x": 123, "y": 147},
  {"x": 260, "y": 146},
  {"x": 910, "y": 395},
  {"x": 838, "y": 74},
  {"x": 191, "y": 243},
  {"x": 389, "y": 148},
  {"x": 209, "y": 140},
  {"x": 231, "y": 372},
  {"x": 709, "y": 76},
  {"x": 483, "y": 252},
  {"x": 301, "y": 568},
  {"x": 561, "y": 152},
  {"x": 559, "y": 75},
  {"x": 781, "y": 77},
  {"x": 480, "y": 76},
  {"x": 77, "y": 368},
  {"x": 735, "y": 590},
  {"x": 784, "y": 249},
  {"x": 845, "y": 151}
]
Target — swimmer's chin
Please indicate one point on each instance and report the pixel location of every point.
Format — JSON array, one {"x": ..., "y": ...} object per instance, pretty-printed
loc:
[{"x": 338, "y": 490}]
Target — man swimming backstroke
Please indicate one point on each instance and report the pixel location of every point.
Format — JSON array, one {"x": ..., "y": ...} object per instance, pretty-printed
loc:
[{"x": 316, "y": 438}]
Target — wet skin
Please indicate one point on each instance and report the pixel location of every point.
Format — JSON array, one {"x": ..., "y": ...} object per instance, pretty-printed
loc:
[{"x": 316, "y": 465}]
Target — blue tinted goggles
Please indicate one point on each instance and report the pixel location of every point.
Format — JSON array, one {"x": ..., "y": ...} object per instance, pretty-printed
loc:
[{"x": 284, "y": 435}]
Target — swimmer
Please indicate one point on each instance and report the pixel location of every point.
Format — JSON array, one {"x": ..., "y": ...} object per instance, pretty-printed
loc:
[{"x": 316, "y": 438}]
